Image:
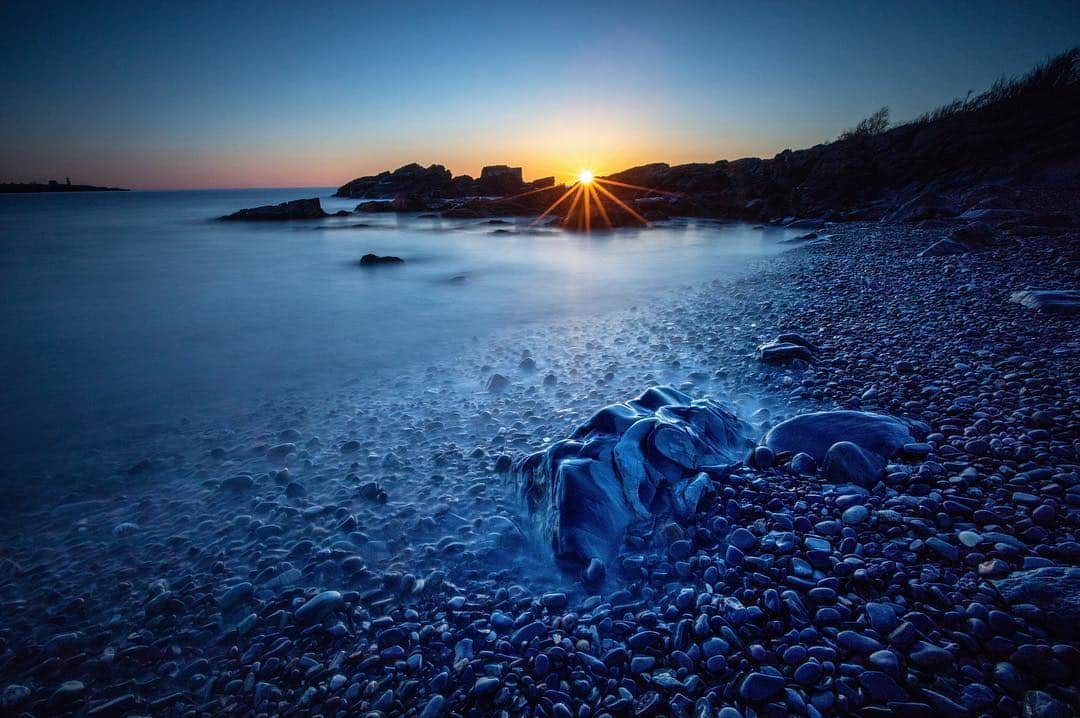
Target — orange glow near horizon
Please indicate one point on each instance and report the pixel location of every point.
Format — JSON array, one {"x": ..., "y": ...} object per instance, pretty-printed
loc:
[{"x": 587, "y": 192}]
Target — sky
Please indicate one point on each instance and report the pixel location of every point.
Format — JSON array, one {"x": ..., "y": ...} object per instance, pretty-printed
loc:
[{"x": 172, "y": 95}]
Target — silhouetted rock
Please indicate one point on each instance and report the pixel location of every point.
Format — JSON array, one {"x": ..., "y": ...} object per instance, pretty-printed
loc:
[
  {"x": 374, "y": 260},
  {"x": 295, "y": 209},
  {"x": 412, "y": 179},
  {"x": 500, "y": 180}
]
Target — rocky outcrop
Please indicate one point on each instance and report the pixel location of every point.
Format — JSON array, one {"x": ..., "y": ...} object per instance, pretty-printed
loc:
[
  {"x": 296, "y": 209},
  {"x": 412, "y": 179},
  {"x": 632, "y": 462},
  {"x": 437, "y": 183}
]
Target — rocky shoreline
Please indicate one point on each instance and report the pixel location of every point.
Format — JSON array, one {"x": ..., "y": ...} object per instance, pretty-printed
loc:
[{"x": 375, "y": 559}]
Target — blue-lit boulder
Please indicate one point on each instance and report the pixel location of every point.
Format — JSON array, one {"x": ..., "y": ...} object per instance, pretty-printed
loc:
[
  {"x": 816, "y": 432},
  {"x": 649, "y": 457}
]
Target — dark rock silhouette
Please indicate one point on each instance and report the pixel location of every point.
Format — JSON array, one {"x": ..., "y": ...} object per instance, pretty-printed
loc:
[
  {"x": 412, "y": 179},
  {"x": 295, "y": 209},
  {"x": 427, "y": 184},
  {"x": 500, "y": 180},
  {"x": 374, "y": 260}
]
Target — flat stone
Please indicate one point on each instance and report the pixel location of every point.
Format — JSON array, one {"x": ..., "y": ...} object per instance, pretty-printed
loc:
[{"x": 1049, "y": 301}]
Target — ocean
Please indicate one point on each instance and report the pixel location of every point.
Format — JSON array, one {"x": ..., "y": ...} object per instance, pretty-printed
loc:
[{"x": 125, "y": 312}]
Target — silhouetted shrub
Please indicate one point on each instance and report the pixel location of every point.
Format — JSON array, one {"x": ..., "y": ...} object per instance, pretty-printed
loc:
[
  {"x": 875, "y": 124},
  {"x": 1052, "y": 78}
]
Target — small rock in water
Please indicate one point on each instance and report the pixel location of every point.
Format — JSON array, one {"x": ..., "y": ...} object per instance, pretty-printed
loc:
[
  {"x": 498, "y": 383},
  {"x": 374, "y": 260}
]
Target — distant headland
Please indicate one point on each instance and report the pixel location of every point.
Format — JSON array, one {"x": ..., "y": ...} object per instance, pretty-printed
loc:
[{"x": 53, "y": 186}]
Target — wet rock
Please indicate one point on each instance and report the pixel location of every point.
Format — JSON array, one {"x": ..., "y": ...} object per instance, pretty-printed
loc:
[
  {"x": 14, "y": 695},
  {"x": 240, "y": 482},
  {"x": 816, "y": 432},
  {"x": 1054, "y": 589},
  {"x": 498, "y": 383},
  {"x": 761, "y": 687},
  {"x": 783, "y": 352},
  {"x": 848, "y": 463},
  {"x": 318, "y": 607},
  {"x": 1049, "y": 301},
  {"x": 633, "y": 461},
  {"x": 1039, "y": 704},
  {"x": 803, "y": 463}
]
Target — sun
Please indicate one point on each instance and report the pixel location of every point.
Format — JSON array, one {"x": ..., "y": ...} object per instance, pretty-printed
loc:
[{"x": 585, "y": 176}]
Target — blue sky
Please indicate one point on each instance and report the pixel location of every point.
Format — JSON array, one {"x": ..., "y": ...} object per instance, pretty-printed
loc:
[{"x": 200, "y": 94}]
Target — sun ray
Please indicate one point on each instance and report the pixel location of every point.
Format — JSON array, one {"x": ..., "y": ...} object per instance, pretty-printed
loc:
[
  {"x": 622, "y": 204},
  {"x": 573, "y": 205},
  {"x": 632, "y": 186},
  {"x": 587, "y": 211},
  {"x": 600, "y": 206},
  {"x": 553, "y": 205},
  {"x": 526, "y": 194}
]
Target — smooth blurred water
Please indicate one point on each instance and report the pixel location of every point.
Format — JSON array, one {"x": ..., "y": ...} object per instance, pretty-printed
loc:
[{"x": 124, "y": 309}]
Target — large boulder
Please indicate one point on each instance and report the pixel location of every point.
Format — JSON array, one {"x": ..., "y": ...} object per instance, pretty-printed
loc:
[
  {"x": 816, "y": 432},
  {"x": 295, "y": 209},
  {"x": 1049, "y": 301},
  {"x": 1055, "y": 590},
  {"x": 629, "y": 462}
]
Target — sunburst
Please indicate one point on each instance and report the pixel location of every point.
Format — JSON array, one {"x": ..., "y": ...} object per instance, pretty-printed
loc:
[{"x": 589, "y": 191}]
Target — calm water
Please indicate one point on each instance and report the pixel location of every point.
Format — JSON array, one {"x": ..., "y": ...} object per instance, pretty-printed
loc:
[{"x": 126, "y": 309}]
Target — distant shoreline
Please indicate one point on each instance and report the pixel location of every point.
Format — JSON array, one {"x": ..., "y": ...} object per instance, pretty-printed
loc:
[{"x": 33, "y": 187}]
